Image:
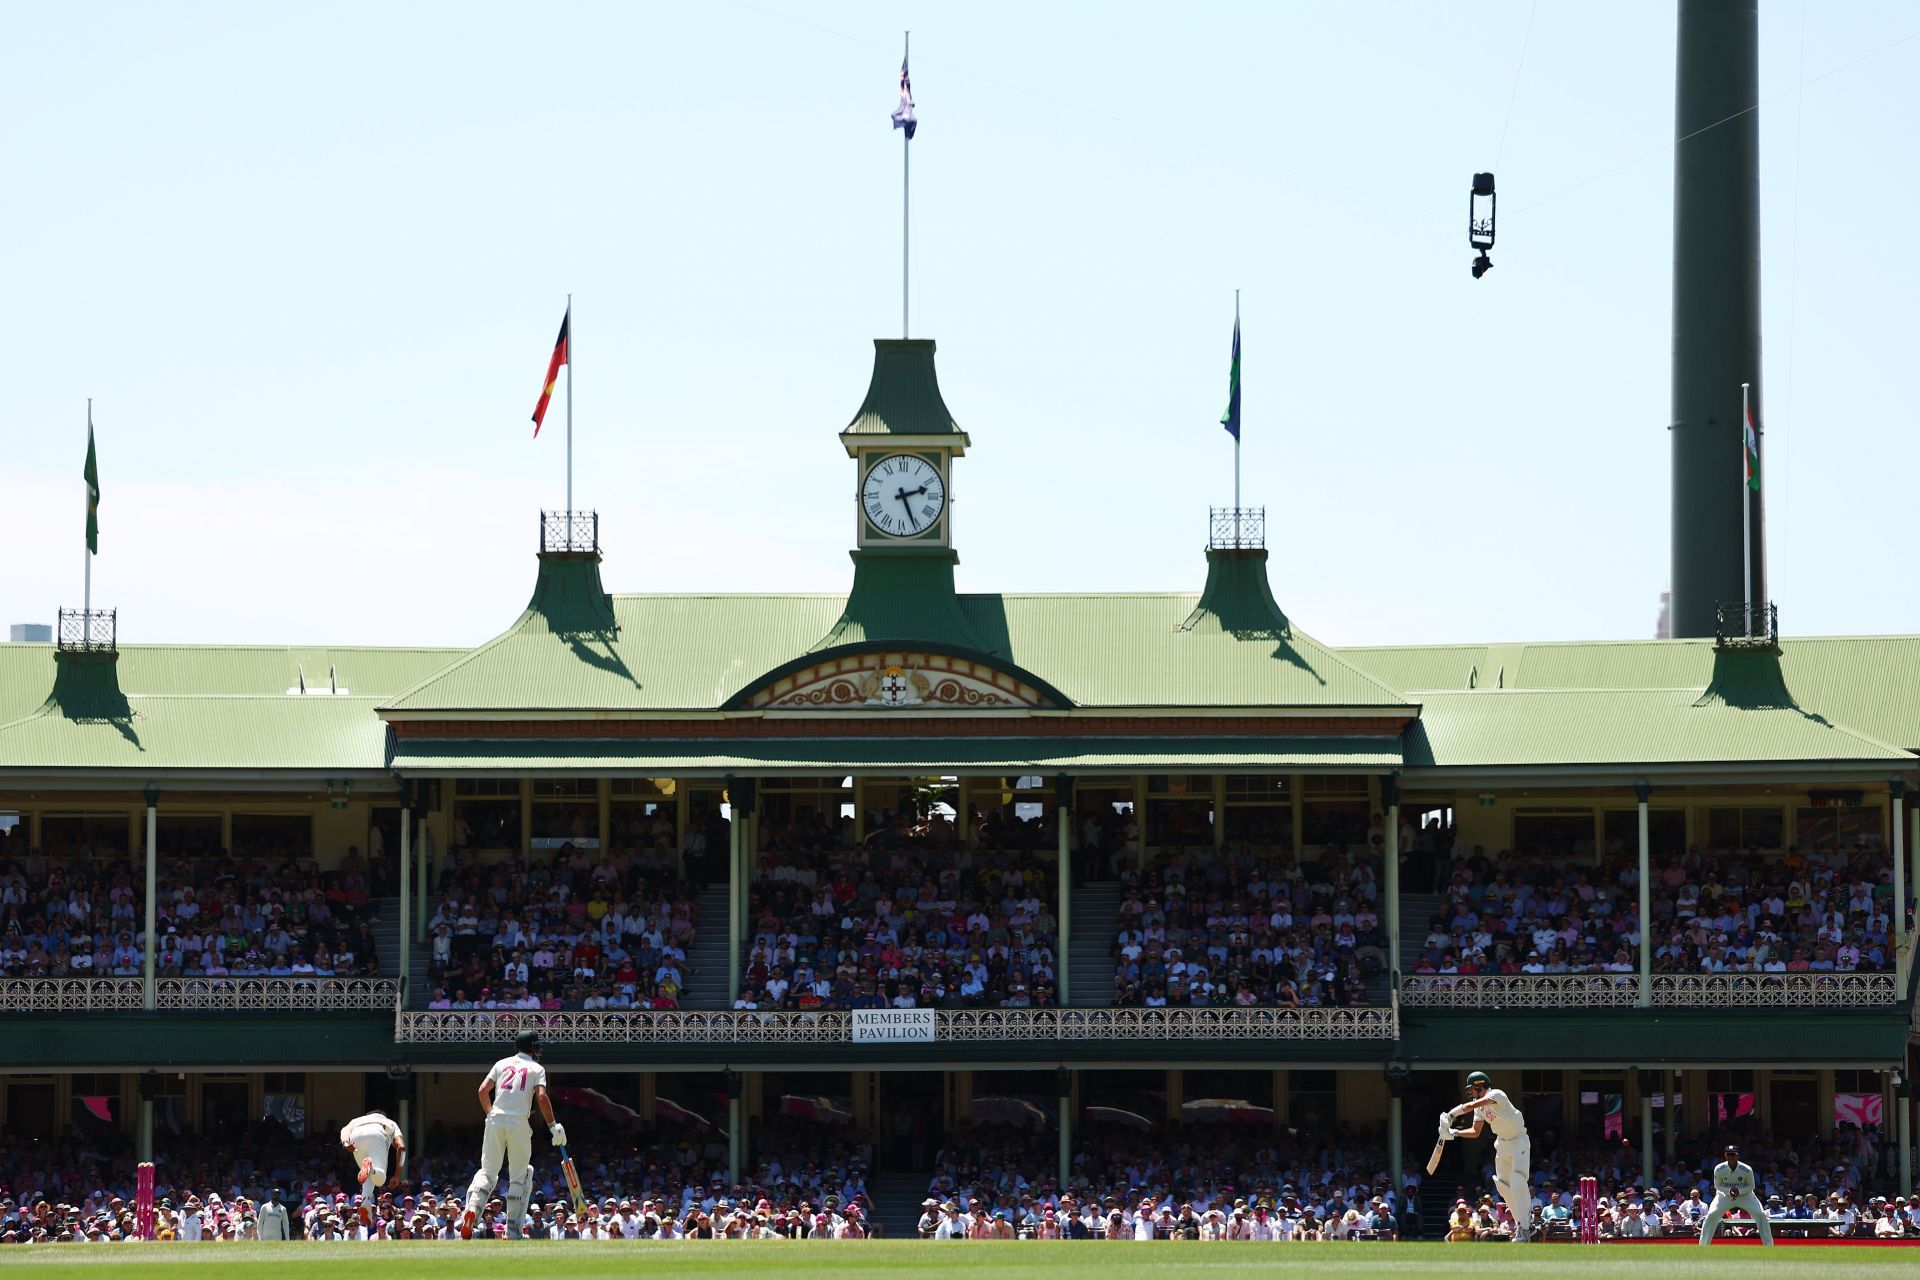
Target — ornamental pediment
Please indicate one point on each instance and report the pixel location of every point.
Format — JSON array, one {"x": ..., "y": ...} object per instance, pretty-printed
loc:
[{"x": 896, "y": 680}]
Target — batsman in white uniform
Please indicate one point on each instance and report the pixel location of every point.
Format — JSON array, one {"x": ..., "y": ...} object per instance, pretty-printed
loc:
[
  {"x": 1512, "y": 1149},
  {"x": 1733, "y": 1189},
  {"x": 371, "y": 1138},
  {"x": 507, "y": 1096}
]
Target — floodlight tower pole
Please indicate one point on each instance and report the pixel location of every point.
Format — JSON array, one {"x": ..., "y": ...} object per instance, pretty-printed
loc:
[{"x": 1716, "y": 310}]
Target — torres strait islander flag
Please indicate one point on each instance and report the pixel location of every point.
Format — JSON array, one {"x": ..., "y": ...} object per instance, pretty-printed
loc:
[{"x": 553, "y": 371}]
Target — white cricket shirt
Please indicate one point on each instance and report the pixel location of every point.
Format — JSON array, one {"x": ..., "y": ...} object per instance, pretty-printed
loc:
[
  {"x": 514, "y": 1080},
  {"x": 1502, "y": 1116},
  {"x": 1733, "y": 1179}
]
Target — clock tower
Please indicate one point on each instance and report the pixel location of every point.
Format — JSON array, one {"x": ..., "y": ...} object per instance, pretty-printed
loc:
[{"x": 903, "y": 442}]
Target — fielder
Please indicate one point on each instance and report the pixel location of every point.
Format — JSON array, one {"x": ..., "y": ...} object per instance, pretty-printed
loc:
[
  {"x": 1733, "y": 1189},
  {"x": 1512, "y": 1149},
  {"x": 370, "y": 1137},
  {"x": 507, "y": 1096}
]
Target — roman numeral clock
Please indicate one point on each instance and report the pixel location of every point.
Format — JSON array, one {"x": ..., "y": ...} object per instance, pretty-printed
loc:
[
  {"x": 903, "y": 443},
  {"x": 903, "y": 497}
]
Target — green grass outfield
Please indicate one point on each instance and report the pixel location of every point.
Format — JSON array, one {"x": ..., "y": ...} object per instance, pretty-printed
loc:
[{"x": 987, "y": 1260}]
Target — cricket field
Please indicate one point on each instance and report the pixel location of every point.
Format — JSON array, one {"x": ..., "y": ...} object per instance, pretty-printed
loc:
[{"x": 984, "y": 1260}]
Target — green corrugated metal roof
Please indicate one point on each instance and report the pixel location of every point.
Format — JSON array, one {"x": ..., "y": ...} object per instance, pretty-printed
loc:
[
  {"x": 903, "y": 397},
  {"x": 1574, "y": 727},
  {"x": 26, "y": 670},
  {"x": 694, "y": 652},
  {"x": 148, "y": 734},
  {"x": 899, "y": 755},
  {"x": 1864, "y": 682}
]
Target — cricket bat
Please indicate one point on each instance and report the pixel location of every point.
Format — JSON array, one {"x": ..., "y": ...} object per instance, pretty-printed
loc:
[{"x": 573, "y": 1182}]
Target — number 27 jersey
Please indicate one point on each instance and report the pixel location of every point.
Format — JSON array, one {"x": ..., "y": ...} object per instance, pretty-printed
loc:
[{"x": 514, "y": 1080}]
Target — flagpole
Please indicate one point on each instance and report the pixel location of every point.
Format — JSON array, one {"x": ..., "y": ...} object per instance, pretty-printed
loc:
[
  {"x": 1236, "y": 435},
  {"x": 569, "y": 420},
  {"x": 906, "y": 172},
  {"x": 1746, "y": 514},
  {"x": 86, "y": 593}
]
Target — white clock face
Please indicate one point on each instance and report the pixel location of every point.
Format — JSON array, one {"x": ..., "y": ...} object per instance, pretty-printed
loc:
[{"x": 902, "y": 495}]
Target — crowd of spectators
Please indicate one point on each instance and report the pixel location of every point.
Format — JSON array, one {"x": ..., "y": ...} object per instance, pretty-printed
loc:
[
  {"x": 567, "y": 929},
  {"x": 807, "y": 1179},
  {"x": 1195, "y": 1181},
  {"x": 270, "y": 913},
  {"x": 911, "y": 918},
  {"x": 1243, "y": 927},
  {"x": 1823, "y": 910}
]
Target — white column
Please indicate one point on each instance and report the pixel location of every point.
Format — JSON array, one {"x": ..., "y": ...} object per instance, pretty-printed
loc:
[
  {"x": 406, "y": 861},
  {"x": 1063, "y": 803},
  {"x": 1396, "y": 1172},
  {"x": 739, "y": 804},
  {"x": 1646, "y": 1130},
  {"x": 1390, "y": 887},
  {"x": 1064, "y": 1079},
  {"x": 149, "y": 991},
  {"x": 423, "y": 883},
  {"x": 1897, "y": 789},
  {"x": 1904, "y": 1135},
  {"x": 735, "y": 1138},
  {"x": 1642, "y": 791}
]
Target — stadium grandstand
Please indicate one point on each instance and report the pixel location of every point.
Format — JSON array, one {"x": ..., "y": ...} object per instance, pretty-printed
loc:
[
  {"x": 1048, "y": 907},
  {"x": 917, "y": 912}
]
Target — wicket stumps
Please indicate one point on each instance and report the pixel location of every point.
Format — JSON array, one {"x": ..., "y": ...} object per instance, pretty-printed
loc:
[
  {"x": 1589, "y": 1211},
  {"x": 143, "y": 1202}
]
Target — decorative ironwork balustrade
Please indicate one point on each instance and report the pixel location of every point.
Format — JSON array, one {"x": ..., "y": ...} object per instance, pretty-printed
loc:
[
  {"x": 89, "y": 630},
  {"x": 1669, "y": 991},
  {"x": 950, "y": 1026},
  {"x": 277, "y": 993},
  {"x": 1746, "y": 626},
  {"x": 62, "y": 995},
  {"x": 569, "y": 531},
  {"x": 1242, "y": 528},
  {"x": 108, "y": 995}
]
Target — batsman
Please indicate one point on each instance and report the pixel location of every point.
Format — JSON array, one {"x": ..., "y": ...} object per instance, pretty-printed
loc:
[
  {"x": 507, "y": 1096},
  {"x": 1512, "y": 1149}
]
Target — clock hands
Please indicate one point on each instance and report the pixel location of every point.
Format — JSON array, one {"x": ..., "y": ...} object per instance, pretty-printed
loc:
[{"x": 903, "y": 494}]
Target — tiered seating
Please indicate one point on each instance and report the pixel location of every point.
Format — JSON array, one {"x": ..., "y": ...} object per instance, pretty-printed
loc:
[
  {"x": 1825, "y": 911},
  {"x": 562, "y": 932},
  {"x": 908, "y": 922},
  {"x": 225, "y": 915},
  {"x": 1238, "y": 928}
]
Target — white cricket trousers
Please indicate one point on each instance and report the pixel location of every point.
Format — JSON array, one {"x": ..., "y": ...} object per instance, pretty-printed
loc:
[
  {"x": 370, "y": 1143},
  {"x": 508, "y": 1138},
  {"x": 1723, "y": 1202},
  {"x": 1512, "y": 1178}
]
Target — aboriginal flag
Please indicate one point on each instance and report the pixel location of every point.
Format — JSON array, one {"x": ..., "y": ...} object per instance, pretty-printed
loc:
[{"x": 553, "y": 371}]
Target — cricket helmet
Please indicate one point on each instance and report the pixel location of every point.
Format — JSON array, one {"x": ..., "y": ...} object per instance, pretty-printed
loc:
[{"x": 528, "y": 1042}]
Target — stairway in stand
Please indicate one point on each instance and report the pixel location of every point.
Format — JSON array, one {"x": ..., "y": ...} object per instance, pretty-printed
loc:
[
  {"x": 1437, "y": 1195},
  {"x": 1416, "y": 909},
  {"x": 1096, "y": 914},
  {"x": 896, "y": 1201},
  {"x": 386, "y": 929},
  {"x": 707, "y": 984}
]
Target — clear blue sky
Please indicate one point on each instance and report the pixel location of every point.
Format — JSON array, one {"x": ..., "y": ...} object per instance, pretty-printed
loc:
[{"x": 310, "y": 260}]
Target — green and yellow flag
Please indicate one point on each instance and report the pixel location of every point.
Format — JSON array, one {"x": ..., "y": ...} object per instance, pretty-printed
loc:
[{"x": 92, "y": 475}]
